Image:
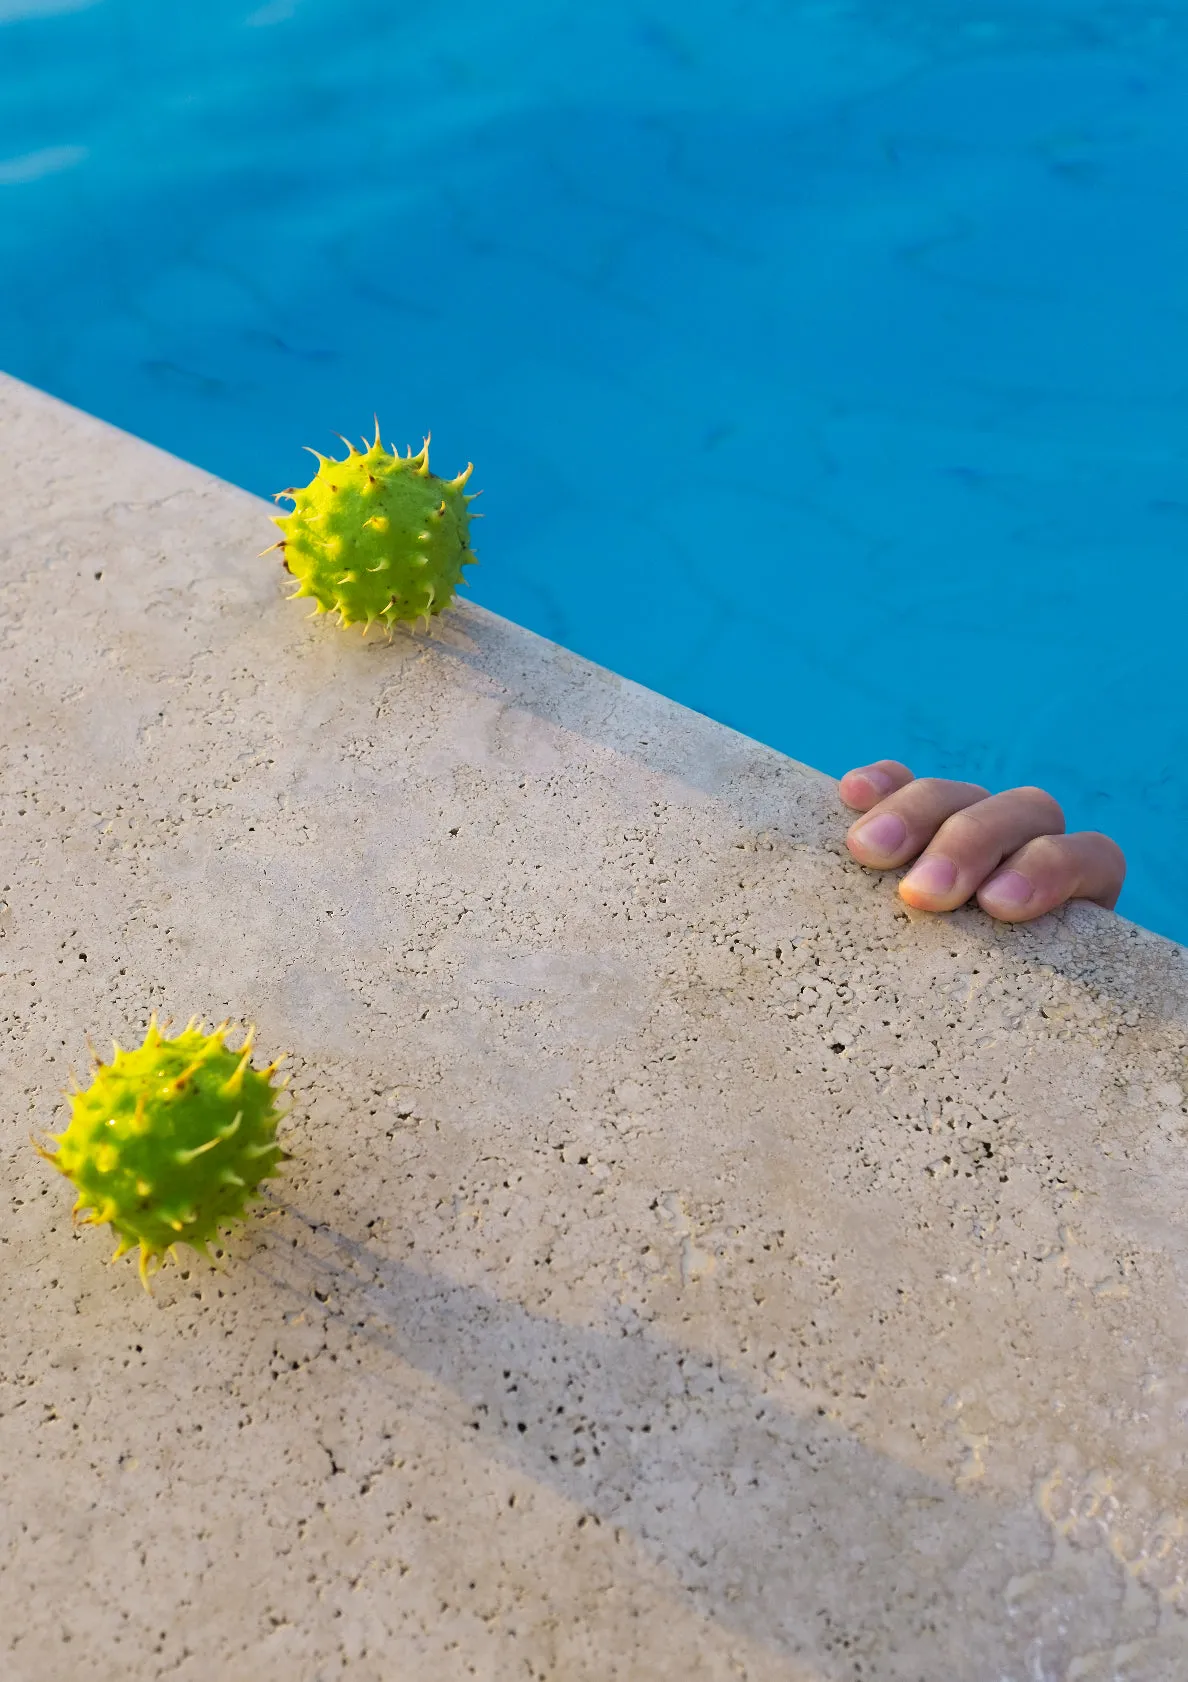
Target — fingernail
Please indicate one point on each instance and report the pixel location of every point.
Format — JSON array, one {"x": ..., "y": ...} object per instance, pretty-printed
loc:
[
  {"x": 885, "y": 834},
  {"x": 1009, "y": 888},
  {"x": 933, "y": 874},
  {"x": 878, "y": 779}
]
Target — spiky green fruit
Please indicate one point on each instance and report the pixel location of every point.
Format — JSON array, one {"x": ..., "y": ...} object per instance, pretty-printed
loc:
[
  {"x": 170, "y": 1141},
  {"x": 377, "y": 536}
]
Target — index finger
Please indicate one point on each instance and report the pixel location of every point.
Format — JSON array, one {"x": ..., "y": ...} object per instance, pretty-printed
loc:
[{"x": 865, "y": 787}]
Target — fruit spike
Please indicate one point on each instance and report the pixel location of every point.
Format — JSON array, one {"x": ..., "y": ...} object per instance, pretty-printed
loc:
[
  {"x": 377, "y": 535},
  {"x": 170, "y": 1141}
]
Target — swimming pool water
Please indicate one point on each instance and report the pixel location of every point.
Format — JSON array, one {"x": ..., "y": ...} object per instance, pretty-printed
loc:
[{"x": 824, "y": 364}]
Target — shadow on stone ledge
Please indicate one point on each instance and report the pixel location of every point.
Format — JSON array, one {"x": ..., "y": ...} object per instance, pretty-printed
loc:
[{"x": 784, "y": 1528}]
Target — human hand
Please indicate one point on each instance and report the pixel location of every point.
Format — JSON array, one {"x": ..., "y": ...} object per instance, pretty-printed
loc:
[{"x": 1009, "y": 849}]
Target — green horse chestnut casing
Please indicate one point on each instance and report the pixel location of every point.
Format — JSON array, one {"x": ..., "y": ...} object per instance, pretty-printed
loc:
[
  {"x": 170, "y": 1142},
  {"x": 377, "y": 536}
]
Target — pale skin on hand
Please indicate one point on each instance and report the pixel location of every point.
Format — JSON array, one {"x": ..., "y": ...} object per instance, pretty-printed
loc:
[{"x": 1009, "y": 850}]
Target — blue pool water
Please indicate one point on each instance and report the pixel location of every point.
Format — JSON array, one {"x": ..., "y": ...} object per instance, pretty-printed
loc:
[{"x": 824, "y": 363}]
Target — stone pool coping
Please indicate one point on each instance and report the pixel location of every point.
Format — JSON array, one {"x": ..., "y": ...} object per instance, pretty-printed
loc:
[{"x": 691, "y": 1264}]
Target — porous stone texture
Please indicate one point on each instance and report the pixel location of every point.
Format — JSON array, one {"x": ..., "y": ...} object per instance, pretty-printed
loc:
[{"x": 692, "y": 1266}]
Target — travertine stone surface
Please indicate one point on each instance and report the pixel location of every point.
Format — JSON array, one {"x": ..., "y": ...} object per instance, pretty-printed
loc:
[{"x": 691, "y": 1268}]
